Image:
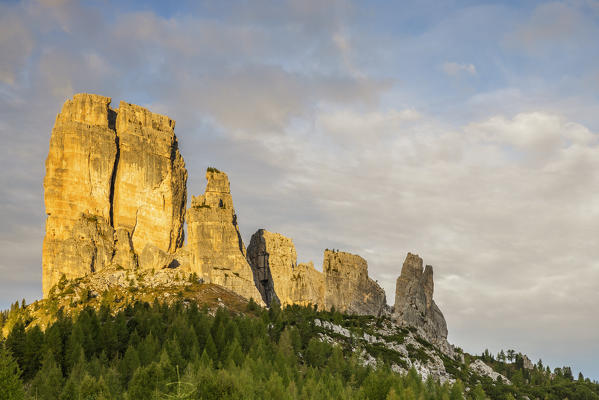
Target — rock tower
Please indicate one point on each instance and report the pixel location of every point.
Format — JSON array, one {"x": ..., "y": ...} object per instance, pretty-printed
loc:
[
  {"x": 414, "y": 304},
  {"x": 115, "y": 194},
  {"x": 217, "y": 251},
  {"x": 115, "y": 182}
]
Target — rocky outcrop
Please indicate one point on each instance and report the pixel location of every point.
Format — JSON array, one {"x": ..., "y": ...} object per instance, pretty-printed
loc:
[
  {"x": 115, "y": 181},
  {"x": 414, "y": 304},
  {"x": 482, "y": 369},
  {"x": 273, "y": 259},
  {"x": 347, "y": 286},
  {"x": 344, "y": 283},
  {"x": 217, "y": 252}
]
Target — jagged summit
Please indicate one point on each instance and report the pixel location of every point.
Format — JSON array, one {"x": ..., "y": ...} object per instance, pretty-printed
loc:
[{"x": 115, "y": 195}]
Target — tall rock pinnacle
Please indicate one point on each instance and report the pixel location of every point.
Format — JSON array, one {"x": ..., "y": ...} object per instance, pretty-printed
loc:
[
  {"x": 414, "y": 304},
  {"x": 115, "y": 182},
  {"x": 217, "y": 251}
]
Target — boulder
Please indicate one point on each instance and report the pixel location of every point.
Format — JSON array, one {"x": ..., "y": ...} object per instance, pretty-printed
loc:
[{"x": 153, "y": 259}]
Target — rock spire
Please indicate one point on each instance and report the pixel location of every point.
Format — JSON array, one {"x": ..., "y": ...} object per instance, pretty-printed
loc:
[
  {"x": 115, "y": 194},
  {"x": 217, "y": 251},
  {"x": 414, "y": 304}
]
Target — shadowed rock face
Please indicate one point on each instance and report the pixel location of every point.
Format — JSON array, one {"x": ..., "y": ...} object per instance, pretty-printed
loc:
[
  {"x": 343, "y": 284},
  {"x": 414, "y": 304},
  {"x": 347, "y": 286},
  {"x": 273, "y": 259},
  {"x": 217, "y": 252},
  {"x": 115, "y": 181}
]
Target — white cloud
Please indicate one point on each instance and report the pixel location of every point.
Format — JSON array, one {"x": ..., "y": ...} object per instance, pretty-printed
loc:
[
  {"x": 537, "y": 133},
  {"x": 454, "y": 68}
]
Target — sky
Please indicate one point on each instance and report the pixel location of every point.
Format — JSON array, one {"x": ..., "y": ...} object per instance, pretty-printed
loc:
[{"x": 464, "y": 131}]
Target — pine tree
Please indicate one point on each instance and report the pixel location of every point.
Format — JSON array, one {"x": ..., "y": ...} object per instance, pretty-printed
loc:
[
  {"x": 48, "y": 382},
  {"x": 32, "y": 357},
  {"x": 11, "y": 386},
  {"x": 457, "y": 390},
  {"x": 15, "y": 342},
  {"x": 128, "y": 364},
  {"x": 478, "y": 393}
]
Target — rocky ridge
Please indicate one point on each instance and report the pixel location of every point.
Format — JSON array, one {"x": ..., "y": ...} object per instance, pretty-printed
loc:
[
  {"x": 343, "y": 285},
  {"x": 115, "y": 195}
]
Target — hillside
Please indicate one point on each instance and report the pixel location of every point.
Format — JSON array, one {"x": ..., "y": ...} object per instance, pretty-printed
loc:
[{"x": 206, "y": 343}]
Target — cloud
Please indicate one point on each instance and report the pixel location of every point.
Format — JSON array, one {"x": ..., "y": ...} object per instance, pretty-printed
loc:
[
  {"x": 536, "y": 133},
  {"x": 557, "y": 27},
  {"x": 453, "y": 68},
  {"x": 16, "y": 42}
]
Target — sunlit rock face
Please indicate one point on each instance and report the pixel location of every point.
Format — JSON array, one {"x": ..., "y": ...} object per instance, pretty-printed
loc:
[
  {"x": 277, "y": 275},
  {"x": 414, "y": 304},
  {"x": 347, "y": 286},
  {"x": 115, "y": 181},
  {"x": 217, "y": 252},
  {"x": 150, "y": 192}
]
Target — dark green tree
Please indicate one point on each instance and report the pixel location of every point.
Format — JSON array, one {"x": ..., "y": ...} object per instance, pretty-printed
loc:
[
  {"x": 11, "y": 386},
  {"x": 48, "y": 382}
]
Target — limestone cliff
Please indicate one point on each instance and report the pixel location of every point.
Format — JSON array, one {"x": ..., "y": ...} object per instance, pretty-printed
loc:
[
  {"x": 115, "y": 181},
  {"x": 217, "y": 252},
  {"x": 273, "y": 259},
  {"x": 347, "y": 286},
  {"x": 414, "y": 304}
]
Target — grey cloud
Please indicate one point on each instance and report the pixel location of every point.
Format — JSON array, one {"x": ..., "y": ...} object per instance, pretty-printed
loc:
[
  {"x": 16, "y": 42},
  {"x": 560, "y": 27}
]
